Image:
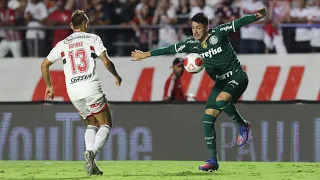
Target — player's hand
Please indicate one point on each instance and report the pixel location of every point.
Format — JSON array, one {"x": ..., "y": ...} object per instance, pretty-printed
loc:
[
  {"x": 138, "y": 55},
  {"x": 49, "y": 95},
  {"x": 118, "y": 80},
  {"x": 261, "y": 13}
]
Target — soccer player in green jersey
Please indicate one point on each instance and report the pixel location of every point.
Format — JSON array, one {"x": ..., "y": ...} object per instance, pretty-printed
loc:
[{"x": 222, "y": 65}]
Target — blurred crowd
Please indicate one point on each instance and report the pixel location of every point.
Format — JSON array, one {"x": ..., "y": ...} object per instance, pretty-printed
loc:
[{"x": 132, "y": 21}]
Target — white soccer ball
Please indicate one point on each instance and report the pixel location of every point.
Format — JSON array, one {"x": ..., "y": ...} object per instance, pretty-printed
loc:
[{"x": 193, "y": 63}]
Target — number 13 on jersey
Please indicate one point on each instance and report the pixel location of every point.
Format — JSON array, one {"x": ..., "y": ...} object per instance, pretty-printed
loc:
[{"x": 81, "y": 65}]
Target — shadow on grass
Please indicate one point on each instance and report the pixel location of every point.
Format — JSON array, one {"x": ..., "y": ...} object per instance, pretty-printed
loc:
[
  {"x": 27, "y": 178},
  {"x": 176, "y": 174},
  {"x": 38, "y": 178},
  {"x": 158, "y": 174}
]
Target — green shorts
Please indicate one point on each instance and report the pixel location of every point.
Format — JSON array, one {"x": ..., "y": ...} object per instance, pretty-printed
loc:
[{"x": 235, "y": 85}]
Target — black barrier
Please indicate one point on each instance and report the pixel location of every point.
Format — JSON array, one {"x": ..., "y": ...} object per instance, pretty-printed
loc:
[{"x": 160, "y": 131}]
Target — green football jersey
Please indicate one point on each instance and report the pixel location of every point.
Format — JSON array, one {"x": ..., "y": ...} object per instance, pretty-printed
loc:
[
  {"x": 220, "y": 60},
  {"x": 219, "y": 57}
]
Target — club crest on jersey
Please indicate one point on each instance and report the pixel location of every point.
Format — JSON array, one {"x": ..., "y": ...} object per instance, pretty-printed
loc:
[
  {"x": 204, "y": 45},
  {"x": 213, "y": 40}
]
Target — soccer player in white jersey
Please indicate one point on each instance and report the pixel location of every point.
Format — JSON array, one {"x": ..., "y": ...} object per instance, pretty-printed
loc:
[{"x": 78, "y": 53}]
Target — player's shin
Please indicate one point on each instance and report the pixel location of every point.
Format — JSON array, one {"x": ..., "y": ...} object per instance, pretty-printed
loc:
[
  {"x": 101, "y": 138},
  {"x": 89, "y": 136},
  {"x": 232, "y": 112},
  {"x": 210, "y": 135}
]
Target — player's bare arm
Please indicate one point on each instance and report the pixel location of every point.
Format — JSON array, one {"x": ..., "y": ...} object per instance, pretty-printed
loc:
[
  {"x": 110, "y": 67},
  {"x": 49, "y": 93},
  {"x": 138, "y": 55}
]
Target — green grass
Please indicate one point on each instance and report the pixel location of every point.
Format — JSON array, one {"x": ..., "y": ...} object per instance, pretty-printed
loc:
[{"x": 159, "y": 170}]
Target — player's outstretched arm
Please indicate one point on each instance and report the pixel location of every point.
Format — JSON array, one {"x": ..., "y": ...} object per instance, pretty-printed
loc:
[
  {"x": 138, "y": 55},
  {"x": 248, "y": 19},
  {"x": 110, "y": 67},
  {"x": 49, "y": 93}
]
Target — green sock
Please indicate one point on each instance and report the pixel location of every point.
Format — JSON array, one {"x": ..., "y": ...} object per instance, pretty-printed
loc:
[
  {"x": 210, "y": 135},
  {"x": 232, "y": 112}
]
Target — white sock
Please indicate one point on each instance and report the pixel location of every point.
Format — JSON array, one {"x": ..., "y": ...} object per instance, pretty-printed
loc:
[
  {"x": 89, "y": 136},
  {"x": 101, "y": 138}
]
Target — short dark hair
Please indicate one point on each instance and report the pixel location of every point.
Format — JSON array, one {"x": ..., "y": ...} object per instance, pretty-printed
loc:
[
  {"x": 200, "y": 18},
  {"x": 78, "y": 17}
]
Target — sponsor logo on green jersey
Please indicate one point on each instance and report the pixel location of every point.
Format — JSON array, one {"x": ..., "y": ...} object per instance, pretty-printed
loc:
[
  {"x": 181, "y": 48},
  {"x": 226, "y": 28},
  {"x": 211, "y": 52}
]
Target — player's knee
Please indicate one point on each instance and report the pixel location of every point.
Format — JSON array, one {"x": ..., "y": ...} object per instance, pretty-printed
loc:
[
  {"x": 105, "y": 120},
  {"x": 223, "y": 100},
  {"x": 212, "y": 112},
  {"x": 109, "y": 123},
  {"x": 224, "y": 96},
  {"x": 103, "y": 117},
  {"x": 92, "y": 121},
  {"x": 222, "y": 104}
]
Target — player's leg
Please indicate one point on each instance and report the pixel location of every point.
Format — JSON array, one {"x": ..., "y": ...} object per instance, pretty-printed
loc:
[
  {"x": 224, "y": 102},
  {"x": 229, "y": 95},
  {"x": 100, "y": 110},
  {"x": 210, "y": 115},
  {"x": 96, "y": 169},
  {"x": 90, "y": 132},
  {"x": 89, "y": 136}
]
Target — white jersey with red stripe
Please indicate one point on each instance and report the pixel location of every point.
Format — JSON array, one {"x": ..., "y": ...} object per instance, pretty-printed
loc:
[{"x": 78, "y": 53}]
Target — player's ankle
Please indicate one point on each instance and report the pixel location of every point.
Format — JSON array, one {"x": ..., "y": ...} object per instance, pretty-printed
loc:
[{"x": 95, "y": 152}]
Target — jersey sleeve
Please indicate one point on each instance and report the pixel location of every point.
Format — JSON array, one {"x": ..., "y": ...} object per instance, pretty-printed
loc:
[
  {"x": 181, "y": 47},
  {"x": 225, "y": 28},
  {"x": 232, "y": 26},
  {"x": 98, "y": 46},
  {"x": 55, "y": 54}
]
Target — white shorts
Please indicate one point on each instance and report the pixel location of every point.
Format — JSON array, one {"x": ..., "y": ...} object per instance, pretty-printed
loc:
[{"x": 90, "y": 105}]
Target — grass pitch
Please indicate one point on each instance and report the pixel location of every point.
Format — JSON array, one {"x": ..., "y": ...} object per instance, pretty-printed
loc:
[{"x": 159, "y": 170}]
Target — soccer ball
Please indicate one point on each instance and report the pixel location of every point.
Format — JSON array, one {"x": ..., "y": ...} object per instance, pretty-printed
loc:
[{"x": 193, "y": 63}]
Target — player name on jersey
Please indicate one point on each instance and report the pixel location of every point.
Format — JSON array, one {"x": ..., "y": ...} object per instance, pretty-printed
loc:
[{"x": 75, "y": 45}]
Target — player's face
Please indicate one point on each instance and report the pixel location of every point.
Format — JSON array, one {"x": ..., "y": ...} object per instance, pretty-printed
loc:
[
  {"x": 178, "y": 69},
  {"x": 198, "y": 30}
]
